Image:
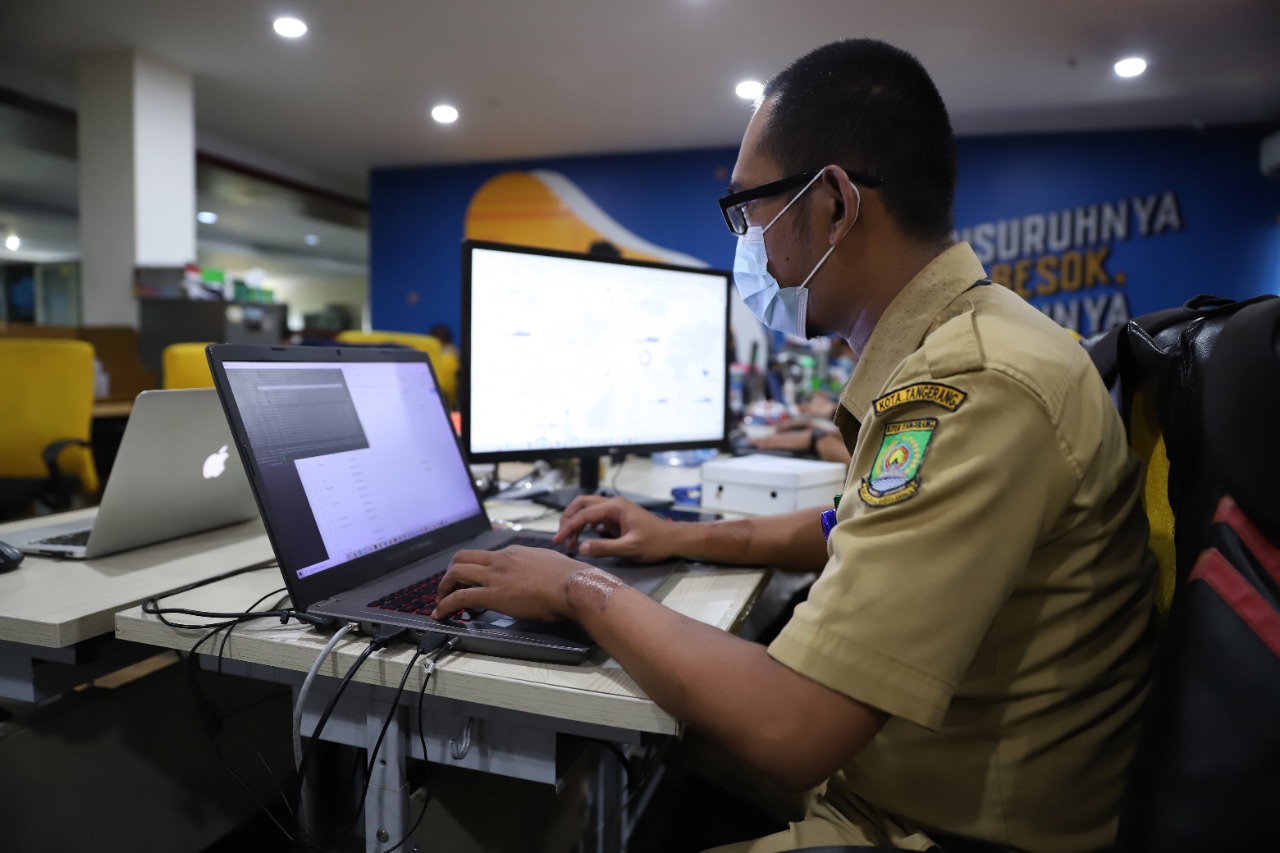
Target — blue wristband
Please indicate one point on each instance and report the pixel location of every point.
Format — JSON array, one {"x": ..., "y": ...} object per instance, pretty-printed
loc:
[{"x": 828, "y": 522}]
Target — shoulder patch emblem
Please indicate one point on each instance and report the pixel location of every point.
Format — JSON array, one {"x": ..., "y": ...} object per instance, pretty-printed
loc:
[
  {"x": 922, "y": 392},
  {"x": 895, "y": 473}
]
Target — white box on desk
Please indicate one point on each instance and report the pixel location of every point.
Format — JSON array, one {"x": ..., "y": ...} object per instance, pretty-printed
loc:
[{"x": 761, "y": 485}]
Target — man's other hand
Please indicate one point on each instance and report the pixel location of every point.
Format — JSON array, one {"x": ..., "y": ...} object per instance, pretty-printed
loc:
[{"x": 634, "y": 532}]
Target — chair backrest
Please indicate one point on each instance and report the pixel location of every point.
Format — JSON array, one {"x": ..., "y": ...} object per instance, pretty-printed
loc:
[
  {"x": 1204, "y": 775},
  {"x": 426, "y": 343},
  {"x": 185, "y": 365},
  {"x": 47, "y": 395},
  {"x": 116, "y": 347},
  {"x": 1158, "y": 361},
  {"x": 443, "y": 360}
]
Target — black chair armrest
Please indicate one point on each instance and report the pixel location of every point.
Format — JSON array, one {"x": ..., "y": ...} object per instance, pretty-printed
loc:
[{"x": 61, "y": 484}]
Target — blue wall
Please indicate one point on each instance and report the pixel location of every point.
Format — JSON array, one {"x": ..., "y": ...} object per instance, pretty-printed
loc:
[
  {"x": 1210, "y": 216},
  {"x": 1211, "y": 219},
  {"x": 417, "y": 221}
]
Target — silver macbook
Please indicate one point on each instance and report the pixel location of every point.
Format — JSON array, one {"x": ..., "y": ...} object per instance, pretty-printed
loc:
[
  {"x": 175, "y": 473},
  {"x": 366, "y": 495}
]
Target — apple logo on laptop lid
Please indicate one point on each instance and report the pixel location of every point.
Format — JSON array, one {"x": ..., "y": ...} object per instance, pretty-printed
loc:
[{"x": 216, "y": 464}]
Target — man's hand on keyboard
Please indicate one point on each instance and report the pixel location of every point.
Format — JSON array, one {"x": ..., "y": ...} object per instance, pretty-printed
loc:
[
  {"x": 531, "y": 583},
  {"x": 636, "y": 534}
]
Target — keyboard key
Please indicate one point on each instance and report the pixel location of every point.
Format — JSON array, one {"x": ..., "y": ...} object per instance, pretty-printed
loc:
[
  {"x": 75, "y": 537},
  {"x": 418, "y": 597}
]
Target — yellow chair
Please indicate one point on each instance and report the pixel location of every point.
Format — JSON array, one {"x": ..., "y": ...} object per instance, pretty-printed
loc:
[
  {"x": 443, "y": 361},
  {"x": 446, "y": 367},
  {"x": 45, "y": 452},
  {"x": 185, "y": 366}
]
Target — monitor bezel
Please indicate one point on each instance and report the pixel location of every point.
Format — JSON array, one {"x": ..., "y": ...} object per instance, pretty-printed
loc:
[
  {"x": 306, "y": 591},
  {"x": 584, "y": 452}
]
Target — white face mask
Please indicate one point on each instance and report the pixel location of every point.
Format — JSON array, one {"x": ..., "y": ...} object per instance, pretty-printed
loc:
[{"x": 782, "y": 309}]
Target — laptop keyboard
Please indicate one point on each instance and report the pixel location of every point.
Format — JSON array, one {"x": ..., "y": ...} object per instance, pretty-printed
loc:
[
  {"x": 537, "y": 542},
  {"x": 417, "y": 597},
  {"x": 75, "y": 537},
  {"x": 420, "y": 596}
]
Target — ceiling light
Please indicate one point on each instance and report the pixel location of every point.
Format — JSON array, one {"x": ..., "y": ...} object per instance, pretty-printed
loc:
[
  {"x": 1131, "y": 67},
  {"x": 751, "y": 90},
  {"x": 311, "y": 240},
  {"x": 208, "y": 217},
  {"x": 290, "y": 28},
  {"x": 12, "y": 242},
  {"x": 444, "y": 114}
]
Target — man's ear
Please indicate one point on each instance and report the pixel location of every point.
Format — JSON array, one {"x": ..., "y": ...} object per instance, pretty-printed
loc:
[{"x": 847, "y": 203}]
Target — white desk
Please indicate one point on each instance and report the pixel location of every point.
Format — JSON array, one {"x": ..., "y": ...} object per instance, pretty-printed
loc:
[
  {"x": 515, "y": 710},
  {"x": 513, "y": 713},
  {"x": 56, "y": 616}
]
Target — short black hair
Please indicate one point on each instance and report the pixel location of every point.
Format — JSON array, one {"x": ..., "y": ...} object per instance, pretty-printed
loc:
[{"x": 870, "y": 107}]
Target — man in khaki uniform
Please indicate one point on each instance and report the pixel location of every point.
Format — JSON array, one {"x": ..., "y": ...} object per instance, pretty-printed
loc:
[{"x": 970, "y": 663}]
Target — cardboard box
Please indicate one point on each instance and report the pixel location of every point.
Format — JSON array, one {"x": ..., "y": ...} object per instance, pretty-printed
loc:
[{"x": 762, "y": 485}]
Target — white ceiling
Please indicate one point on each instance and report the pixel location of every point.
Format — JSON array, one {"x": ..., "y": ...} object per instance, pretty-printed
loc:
[{"x": 552, "y": 77}]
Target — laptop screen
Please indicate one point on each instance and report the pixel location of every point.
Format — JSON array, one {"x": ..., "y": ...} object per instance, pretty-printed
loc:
[{"x": 351, "y": 458}]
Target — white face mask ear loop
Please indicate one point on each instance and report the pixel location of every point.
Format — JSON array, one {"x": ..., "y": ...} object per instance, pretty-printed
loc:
[
  {"x": 856, "y": 214},
  {"x": 794, "y": 200}
]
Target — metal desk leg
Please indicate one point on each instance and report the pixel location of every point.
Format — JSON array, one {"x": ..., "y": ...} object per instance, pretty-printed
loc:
[
  {"x": 604, "y": 833},
  {"x": 386, "y": 808}
]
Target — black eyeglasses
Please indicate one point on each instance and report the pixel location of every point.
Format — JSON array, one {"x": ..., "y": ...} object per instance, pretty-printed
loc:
[{"x": 734, "y": 206}]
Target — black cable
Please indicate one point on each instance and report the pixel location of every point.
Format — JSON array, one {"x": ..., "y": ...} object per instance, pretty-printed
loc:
[
  {"x": 265, "y": 564},
  {"x": 652, "y": 761},
  {"x": 217, "y": 750},
  {"x": 377, "y": 745},
  {"x": 212, "y": 725},
  {"x": 211, "y": 719},
  {"x": 441, "y": 650},
  {"x": 226, "y": 637},
  {"x": 152, "y": 608},
  {"x": 222, "y": 646},
  {"x": 378, "y": 642}
]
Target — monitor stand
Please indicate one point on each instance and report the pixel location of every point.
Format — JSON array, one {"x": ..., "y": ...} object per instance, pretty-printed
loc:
[{"x": 589, "y": 484}]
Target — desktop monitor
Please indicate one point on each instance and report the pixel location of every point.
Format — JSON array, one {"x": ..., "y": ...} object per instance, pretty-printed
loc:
[{"x": 573, "y": 355}]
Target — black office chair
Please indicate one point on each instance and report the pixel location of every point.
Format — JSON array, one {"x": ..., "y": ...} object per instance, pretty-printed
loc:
[{"x": 1204, "y": 777}]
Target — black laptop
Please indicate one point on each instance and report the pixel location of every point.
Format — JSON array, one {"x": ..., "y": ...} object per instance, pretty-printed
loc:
[{"x": 365, "y": 493}]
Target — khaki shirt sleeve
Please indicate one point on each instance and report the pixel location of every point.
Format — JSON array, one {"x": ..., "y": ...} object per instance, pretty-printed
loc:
[{"x": 913, "y": 583}]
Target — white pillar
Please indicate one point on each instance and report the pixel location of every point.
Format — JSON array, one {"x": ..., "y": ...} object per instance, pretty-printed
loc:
[{"x": 136, "y": 133}]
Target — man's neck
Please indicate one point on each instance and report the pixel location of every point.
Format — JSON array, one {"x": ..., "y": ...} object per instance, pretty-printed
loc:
[{"x": 891, "y": 276}]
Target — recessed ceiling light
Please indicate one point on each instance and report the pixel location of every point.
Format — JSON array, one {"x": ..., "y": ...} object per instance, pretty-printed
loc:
[
  {"x": 311, "y": 240},
  {"x": 1131, "y": 67},
  {"x": 12, "y": 243},
  {"x": 290, "y": 28},
  {"x": 208, "y": 217},
  {"x": 751, "y": 90},
  {"x": 444, "y": 114}
]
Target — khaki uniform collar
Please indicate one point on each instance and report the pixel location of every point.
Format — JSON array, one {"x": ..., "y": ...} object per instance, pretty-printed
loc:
[{"x": 906, "y": 322}]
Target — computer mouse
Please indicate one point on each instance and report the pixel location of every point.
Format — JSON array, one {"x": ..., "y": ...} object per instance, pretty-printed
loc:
[{"x": 10, "y": 557}]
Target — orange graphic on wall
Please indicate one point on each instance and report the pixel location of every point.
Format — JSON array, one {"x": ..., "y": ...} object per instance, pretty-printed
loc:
[{"x": 547, "y": 210}]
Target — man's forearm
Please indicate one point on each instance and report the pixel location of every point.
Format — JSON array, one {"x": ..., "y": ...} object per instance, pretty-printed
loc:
[
  {"x": 791, "y": 542},
  {"x": 792, "y": 728}
]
